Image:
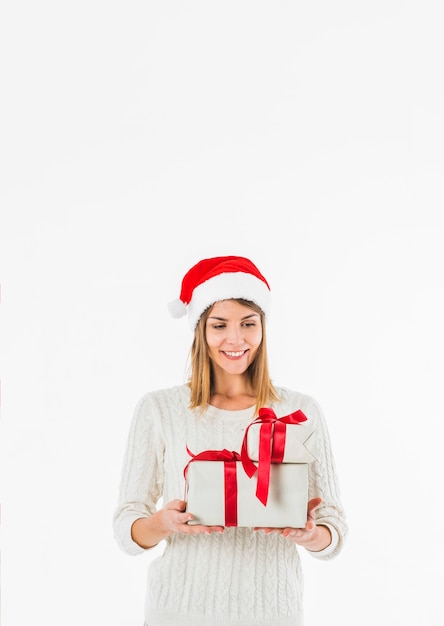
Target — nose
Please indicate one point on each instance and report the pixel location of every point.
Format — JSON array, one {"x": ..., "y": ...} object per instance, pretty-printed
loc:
[{"x": 235, "y": 335}]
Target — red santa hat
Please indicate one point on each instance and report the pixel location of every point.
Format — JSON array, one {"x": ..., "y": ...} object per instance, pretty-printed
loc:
[{"x": 219, "y": 278}]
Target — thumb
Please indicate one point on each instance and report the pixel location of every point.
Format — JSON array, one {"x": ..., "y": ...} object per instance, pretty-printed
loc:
[{"x": 313, "y": 505}]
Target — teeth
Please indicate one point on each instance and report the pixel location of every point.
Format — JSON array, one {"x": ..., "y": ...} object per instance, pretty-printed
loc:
[{"x": 235, "y": 353}]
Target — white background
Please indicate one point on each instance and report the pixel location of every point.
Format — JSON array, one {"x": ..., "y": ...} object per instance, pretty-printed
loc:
[{"x": 139, "y": 137}]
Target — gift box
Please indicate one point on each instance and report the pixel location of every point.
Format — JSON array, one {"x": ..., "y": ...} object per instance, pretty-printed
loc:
[
  {"x": 270, "y": 440},
  {"x": 219, "y": 493},
  {"x": 289, "y": 439}
]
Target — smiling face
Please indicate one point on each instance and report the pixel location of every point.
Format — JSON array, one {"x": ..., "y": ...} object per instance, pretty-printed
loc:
[{"x": 233, "y": 333}]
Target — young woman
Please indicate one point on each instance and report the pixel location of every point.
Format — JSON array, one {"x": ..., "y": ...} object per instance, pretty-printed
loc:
[{"x": 211, "y": 575}]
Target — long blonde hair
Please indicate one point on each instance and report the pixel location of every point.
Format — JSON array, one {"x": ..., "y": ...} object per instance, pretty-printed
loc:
[{"x": 201, "y": 377}]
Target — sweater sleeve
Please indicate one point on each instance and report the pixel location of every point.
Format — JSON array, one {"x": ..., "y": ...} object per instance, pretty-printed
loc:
[
  {"x": 142, "y": 474},
  {"x": 323, "y": 483}
]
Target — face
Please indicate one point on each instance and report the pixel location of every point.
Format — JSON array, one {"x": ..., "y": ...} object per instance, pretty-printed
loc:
[{"x": 234, "y": 334}]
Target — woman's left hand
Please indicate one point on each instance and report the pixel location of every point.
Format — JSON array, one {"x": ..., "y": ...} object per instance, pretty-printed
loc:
[{"x": 312, "y": 537}]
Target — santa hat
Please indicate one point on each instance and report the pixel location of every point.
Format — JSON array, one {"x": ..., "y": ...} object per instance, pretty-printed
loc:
[{"x": 219, "y": 278}]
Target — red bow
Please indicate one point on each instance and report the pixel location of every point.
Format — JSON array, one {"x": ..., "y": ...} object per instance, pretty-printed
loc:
[
  {"x": 271, "y": 446},
  {"x": 230, "y": 478}
]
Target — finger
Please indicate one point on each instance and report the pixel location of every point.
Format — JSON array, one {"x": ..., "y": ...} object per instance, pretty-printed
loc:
[
  {"x": 188, "y": 517},
  {"x": 184, "y": 518},
  {"x": 176, "y": 505},
  {"x": 311, "y": 516},
  {"x": 199, "y": 528},
  {"x": 312, "y": 506},
  {"x": 292, "y": 532},
  {"x": 289, "y": 532}
]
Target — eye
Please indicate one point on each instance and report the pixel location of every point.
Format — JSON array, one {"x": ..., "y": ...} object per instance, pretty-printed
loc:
[{"x": 249, "y": 324}]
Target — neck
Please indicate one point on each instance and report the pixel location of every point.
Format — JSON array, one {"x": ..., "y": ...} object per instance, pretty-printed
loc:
[{"x": 232, "y": 393}]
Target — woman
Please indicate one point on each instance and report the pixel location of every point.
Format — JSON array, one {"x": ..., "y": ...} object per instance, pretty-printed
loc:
[{"x": 211, "y": 575}]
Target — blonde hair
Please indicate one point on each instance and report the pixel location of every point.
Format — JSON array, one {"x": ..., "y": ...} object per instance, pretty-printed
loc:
[{"x": 201, "y": 377}]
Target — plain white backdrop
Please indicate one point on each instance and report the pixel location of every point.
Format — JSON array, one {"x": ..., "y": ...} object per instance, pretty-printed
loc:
[{"x": 139, "y": 137}]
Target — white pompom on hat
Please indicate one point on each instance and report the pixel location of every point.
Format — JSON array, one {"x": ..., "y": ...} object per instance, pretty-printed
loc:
[{"x": 219, "y": 278}]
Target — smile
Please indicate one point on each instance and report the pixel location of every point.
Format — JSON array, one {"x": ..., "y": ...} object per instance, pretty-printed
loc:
[{"x": 235, "y": 355}]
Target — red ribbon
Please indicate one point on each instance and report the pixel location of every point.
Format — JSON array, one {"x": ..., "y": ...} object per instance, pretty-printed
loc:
[
  {"x": 271, "y": 447},
  {"x": 230, "y": 478}
]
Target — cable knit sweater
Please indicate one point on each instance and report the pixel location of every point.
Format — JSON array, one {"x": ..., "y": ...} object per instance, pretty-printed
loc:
[{"x": 240, "y": 577}]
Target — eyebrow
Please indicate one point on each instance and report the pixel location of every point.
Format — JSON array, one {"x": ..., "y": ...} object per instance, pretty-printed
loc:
[{"x": 223, "y": 319}]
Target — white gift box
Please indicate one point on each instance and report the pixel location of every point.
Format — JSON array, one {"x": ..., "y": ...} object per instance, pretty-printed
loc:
[{"x": 287, "y": 496}]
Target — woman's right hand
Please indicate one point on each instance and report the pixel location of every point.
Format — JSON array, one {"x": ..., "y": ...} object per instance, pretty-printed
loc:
[{"x": 172, "y": 518}]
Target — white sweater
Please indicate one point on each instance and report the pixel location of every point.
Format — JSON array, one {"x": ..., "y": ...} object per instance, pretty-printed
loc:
[{"x": 240, "y": 577}]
